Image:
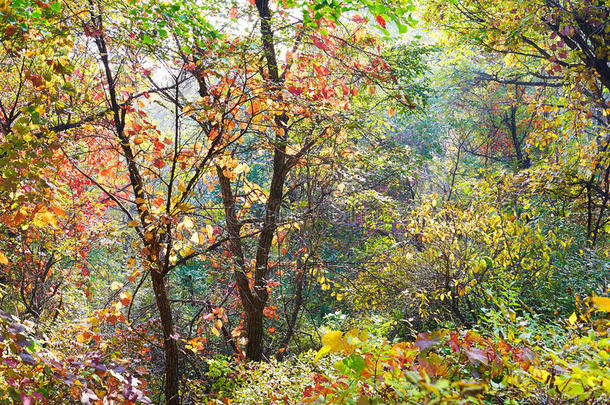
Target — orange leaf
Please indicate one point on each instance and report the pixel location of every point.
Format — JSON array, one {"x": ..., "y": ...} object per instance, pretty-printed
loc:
[
  {"x": 58, "y": 211},
  {"x": 159, "y": 163},
  {"x": 3, "y": 259},
  {"x": 125, "y": 298}
]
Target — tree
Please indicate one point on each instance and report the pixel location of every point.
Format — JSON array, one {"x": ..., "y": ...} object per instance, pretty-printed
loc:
[
  {"x": 164, "y": 172},
  {"x": 563, "y": 44},
  {"x": 291, "y": 123}
]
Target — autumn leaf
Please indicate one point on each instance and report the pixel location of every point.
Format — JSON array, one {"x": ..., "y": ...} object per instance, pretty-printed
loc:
[
  {"x": 159, "y": 163},
  {"x": 359, "y": 19},
  {"x": 58, "y": 211},
  {"x": 125, "y": 298},
  {"x": 27, "y": 399},
  {"x": 380, "y": 20},
  {"x": 333, "y": 340},
  {"x": 3, "y": 259},
  {"x": 573, "y": 318},
  {"x": 602, "y": 303}
]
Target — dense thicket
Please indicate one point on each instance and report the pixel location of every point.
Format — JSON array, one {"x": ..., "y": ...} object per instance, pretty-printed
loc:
[{"x": 359, "y": 201}]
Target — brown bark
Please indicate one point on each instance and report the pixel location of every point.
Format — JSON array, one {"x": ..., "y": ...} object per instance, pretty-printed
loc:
[
  {"x": 298, "y": 302},
  {"x": 254, "y": 299},
  {"x": 152, "y": 244},
  {"x": 170, "y": 346},
  {"x": 253, "y": 306}
]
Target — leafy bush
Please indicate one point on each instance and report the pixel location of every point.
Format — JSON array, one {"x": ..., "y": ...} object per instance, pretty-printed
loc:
[
  {"x": 31, "y": 372},
  {"x": 523, "y": 364}
]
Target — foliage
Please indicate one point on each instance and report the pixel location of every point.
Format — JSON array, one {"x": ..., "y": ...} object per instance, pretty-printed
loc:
[
  {"x": 32, "y": 372},
  {"x": 199, "y": 193},
  {"x": 523, "y": 363}
]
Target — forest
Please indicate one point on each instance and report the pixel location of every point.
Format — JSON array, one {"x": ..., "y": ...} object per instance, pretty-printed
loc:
[{"x": 304, "y": 202}]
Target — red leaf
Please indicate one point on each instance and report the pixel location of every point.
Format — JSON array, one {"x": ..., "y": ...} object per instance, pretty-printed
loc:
[
  {"x": 380, "y": 20},
  {"x": 295, "y": 90},
  {"x": 159, "y": 163},
  {"x": 320, "y": 44},
  {"x": 358, "y": 19}
]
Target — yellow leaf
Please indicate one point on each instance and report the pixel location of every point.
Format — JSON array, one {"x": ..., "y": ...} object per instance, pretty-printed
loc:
[
  {"x": 324, "y": 350},
  {"x": 573, "y": 318},
  {"x": 215, "y": 332},
  {"x": 209, "y": 230},
  {"x": 187, "y": 222},
  {"x": 538, "y": 374},
  {"x": 602, "y": 303},
  {"x": 3, "y": 259},
  {"x": 351, "y": 340},
  {"x": 195, "y": 238},
  {"x": 333, "y": 340}
]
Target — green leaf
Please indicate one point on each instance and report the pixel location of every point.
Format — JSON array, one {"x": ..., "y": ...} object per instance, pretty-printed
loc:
[{"x": 356, "y": 363}]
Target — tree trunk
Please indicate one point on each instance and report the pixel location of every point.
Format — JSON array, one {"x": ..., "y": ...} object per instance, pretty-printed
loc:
[
  {"x": 158, "y": 272},
  {"x": 298, "y": 302},
  {"x": 255, "y": 327},
  {"x": 170, "y": 346}
]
